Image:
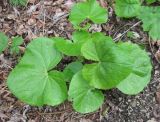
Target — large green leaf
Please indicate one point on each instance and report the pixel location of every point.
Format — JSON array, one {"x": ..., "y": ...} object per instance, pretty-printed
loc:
[
  {"x": 111, "y": 66},
  {"x": 3, "y": 42},
  {"x": 141, "y": 71},
  {"x": 72, "y": 48},
  {"x": 88, "y": 10},
  {"x": 32, "y": 81},
  {"x": 150, "y": 17},
  {"x": 85, "y": 98},
  {"x": 127, "y": 8},
  {"x": 114, "y": 62}
]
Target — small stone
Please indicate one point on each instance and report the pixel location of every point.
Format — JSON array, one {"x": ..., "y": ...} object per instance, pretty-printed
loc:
[
  {"x": 158, "y": 96},
  {"x": 31, "y": 21},
  {"x": 134, "y": 103},
  {"x": 152, "y": 120},
  {"x": 11, "y": 17},
  {"x": 156, "y": 72}
]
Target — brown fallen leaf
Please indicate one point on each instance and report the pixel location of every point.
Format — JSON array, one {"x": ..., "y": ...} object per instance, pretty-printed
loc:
[
  {"x": 31, "y": 21},
  {"x": 158, "y": 96},
  {"x": 156, "y": 111},
  {"x": 31, "y": 1},
  {"x": 3, "y": 116},
  {"x": 85, "y": 120},
  {"x": 22, "y": 49},
  {"x": 68, "y": 4},
  {"x": 157, "y": 56},
  {"x": 0, "y": 9},
  {"x": 103, "y": 3}
]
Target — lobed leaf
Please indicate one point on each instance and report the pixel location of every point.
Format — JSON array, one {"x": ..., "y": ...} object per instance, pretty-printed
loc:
[
  {"x": 85, "y": 98},
  {"x": 32, "y": 81},
  {"x": 150, "y": 17},
  {"x": 113, "y": 63},
  {"x": 88, "y": 10},
  {"x": 141, "y": 71},
  {"x": 127, "y": 8}
]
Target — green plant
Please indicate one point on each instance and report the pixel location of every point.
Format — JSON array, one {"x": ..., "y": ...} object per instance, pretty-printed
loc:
[
  {"x": 3, "y": 42},
  {"x": 127, "y": 8},
  {"x": 13, "y": 47},
  {"x": 18, "y": 2},
  {"x": 72, "y": 69},
  {"x": 153, "y": 25},
  {"x": 88, "y": 10},
  {"x": 16, "y": 42},
  {"x": 36, "y": 81},
  {"x": 133, "y": 8}
]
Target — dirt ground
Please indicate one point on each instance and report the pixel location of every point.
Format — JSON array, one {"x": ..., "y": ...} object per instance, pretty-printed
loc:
[{"x": 50, "y": 18}]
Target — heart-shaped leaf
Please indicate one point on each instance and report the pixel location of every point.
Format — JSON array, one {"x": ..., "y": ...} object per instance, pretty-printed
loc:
[
  {"x": 127, "y": 8},
  {"x": 32, "y": 81},
  {"x": 114, "y": 62},
  {"x": 88, "y": 10},
  {"x": 85, "y": 98},
  {"x": 141, "y": 71},
  {"x": 150, "y": 18}
]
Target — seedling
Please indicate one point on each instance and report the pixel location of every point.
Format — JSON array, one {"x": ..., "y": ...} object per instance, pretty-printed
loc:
[
  {"x": 16, "y": 42},
  {"x": 13, "y": 47},
  {"x": 105, "y": 65}
]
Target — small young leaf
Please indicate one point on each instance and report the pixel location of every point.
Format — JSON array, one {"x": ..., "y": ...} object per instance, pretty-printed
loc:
[
  {"x": 72, "y": 48},
  {"x": 88, "y": 10},
  {"x": 16, "y": 41},
  {"x": 141, "y": 71},
  {"x": 72, "y": 69},
  {"x": 32, "y": 81},
  {"x": 3, "y": 42},
  {"x": 150, "y": 18},
  {"x": 85, "y": 98},
  {"x": 127, "y": 8}
]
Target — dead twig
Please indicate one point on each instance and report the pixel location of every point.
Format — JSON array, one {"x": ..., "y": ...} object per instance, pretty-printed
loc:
[{"x": 116, "y": 39}]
